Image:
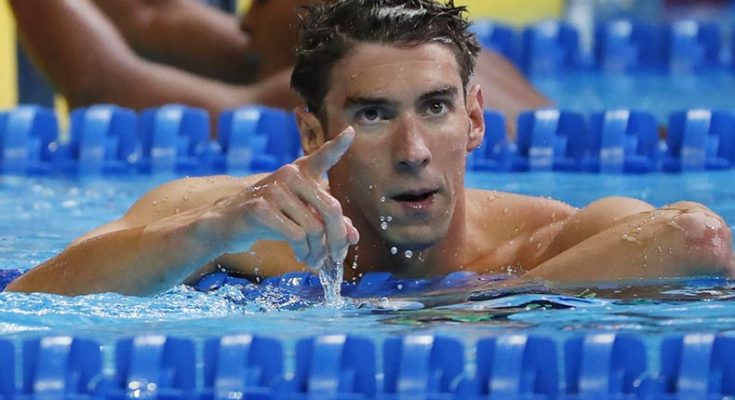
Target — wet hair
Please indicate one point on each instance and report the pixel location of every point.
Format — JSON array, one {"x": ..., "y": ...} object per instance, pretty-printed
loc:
[{"x": 329, "y": 31}]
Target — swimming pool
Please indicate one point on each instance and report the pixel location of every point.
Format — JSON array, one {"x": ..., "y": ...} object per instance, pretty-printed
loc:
[
  {"x": 66, "y": 208},
  {"x": 44, "y": 213}
]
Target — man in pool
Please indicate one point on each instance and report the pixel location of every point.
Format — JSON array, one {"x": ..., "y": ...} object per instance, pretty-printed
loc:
[
  {"x": 143, "y": 53},
  {"x": 391, "y": 118}
]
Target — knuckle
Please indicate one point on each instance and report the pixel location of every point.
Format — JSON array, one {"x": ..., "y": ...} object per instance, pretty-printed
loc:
[
  {"x": 314, "y": 232},
  {"x": 258, "y": 205},
  {"x": 297, "y": 236},
  {"x": 288, "y": 172},
  {"x": 332, "y": 207}
]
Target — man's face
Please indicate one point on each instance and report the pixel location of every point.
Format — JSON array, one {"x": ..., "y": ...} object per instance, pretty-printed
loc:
[
  {"x": 403, "y": 176},
  {"x": 272, "y": 28}
]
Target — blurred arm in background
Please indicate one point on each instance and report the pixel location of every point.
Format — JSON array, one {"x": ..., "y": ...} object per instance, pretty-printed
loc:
[
  {"x": 186, "y": 34},
  {"x": 88, "y": 60},
  {"x": 145, "y": 53}
]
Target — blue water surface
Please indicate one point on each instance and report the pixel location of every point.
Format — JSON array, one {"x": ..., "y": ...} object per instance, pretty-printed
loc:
[
  {"x": 45, "y": 214},
  {"x": 42, "y": 215}
]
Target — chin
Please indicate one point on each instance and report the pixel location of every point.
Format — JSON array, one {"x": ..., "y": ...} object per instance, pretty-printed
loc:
[{"x": 414, "y": 238}]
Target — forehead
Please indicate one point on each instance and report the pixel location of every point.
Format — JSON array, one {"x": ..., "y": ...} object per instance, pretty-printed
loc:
[{"x": 394, "y": 71}]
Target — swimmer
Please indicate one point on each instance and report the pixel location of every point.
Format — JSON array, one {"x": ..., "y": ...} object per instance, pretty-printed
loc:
[
  {"x": 391, "y": 116},
  {"x": 142, "y": 53}
]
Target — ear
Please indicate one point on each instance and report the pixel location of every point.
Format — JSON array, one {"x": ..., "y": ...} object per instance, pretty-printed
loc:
[
  {"x": 310, "y": 129},
  {"x": 475, "y": 111}
]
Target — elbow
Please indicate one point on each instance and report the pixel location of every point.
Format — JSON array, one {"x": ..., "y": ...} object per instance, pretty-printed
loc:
[{"x": 707, "y": 237}]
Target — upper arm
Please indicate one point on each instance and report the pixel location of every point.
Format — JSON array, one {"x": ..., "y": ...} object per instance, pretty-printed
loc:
[
  {"x": 597, "y": 217},
  {"x": 172, "y": 198}
]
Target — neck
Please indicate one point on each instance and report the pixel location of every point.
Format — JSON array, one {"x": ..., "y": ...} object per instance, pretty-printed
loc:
[{"x": 374, "y": 254}]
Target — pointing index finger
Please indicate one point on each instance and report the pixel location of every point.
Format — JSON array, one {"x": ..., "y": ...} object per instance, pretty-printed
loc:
[{"x": 317, "y": 163}]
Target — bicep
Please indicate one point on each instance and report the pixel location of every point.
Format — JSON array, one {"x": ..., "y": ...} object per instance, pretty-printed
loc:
[
  {"x": 163, "y": 201},
  {"x": 593, "y": 219}
]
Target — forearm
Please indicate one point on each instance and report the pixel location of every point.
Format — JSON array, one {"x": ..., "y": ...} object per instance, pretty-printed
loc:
[
  {"x": 680, "y": 240},
  {"x": 71, "y": 42},
  {"x": 184, "y": 33},
  {"x": 136, "y": 261}
]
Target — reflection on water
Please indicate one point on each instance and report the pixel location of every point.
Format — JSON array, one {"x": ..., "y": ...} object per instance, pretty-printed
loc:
[
  {"x": 654, "y": 307},
  {"x": 46, "y": 214}
]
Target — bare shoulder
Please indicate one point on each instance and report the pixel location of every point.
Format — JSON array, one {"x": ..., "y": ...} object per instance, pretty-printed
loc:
[
  {"x": 175, "y": 197},
  {"x": 186, "y": 194},
  {"x": 502, "y": 224},
  {"x": 519, "y": 212}
]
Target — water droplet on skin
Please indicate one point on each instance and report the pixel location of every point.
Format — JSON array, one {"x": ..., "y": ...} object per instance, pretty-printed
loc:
[
  {"x": 155, "y": 203},
  {"x": 408, "y": 254},
  {"x": 673, "y": 223},
  {"x": 631, "y": 239},
  {"x": 177, "y": 211},
  {"x": 393, "y": 250},
  {"x": 384, "y": 226},
  {"x": 505, "y": 210},
  {"x": 186, "y": 198}
]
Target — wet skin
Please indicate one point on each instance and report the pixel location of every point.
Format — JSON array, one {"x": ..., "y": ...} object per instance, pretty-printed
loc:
[{"x": 397, "y": 129}]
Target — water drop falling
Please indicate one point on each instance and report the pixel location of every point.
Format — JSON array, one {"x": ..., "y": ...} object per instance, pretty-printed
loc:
[
  {"x": 393, "y": 250},
  {"x": 384, "y": 226},
  {"x": 408, "y": 254}
]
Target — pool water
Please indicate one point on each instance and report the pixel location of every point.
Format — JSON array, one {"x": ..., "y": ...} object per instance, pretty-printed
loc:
[
  {"x": 42, "y": 215},
  {"x": 659, "y": 94}
]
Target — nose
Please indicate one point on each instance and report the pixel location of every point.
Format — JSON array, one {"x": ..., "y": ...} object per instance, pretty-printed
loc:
[{"x": 410, "y": 149}]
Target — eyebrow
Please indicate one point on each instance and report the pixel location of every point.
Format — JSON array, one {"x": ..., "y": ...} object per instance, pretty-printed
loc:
[
  {"x": 364, "y": 101},
  {"x": 448, "y": 91}
]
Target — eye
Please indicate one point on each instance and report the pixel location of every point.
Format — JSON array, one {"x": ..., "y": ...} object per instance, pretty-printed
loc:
[
  {"x": 436, "y": 108},
  {"x": 370, "y": 115}
]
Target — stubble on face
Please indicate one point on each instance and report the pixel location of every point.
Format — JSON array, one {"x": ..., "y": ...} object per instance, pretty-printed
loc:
[{"x": 377, "y": 191}]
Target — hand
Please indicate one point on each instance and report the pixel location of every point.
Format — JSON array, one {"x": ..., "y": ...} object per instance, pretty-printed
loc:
[{"x": 290, "y": 204}]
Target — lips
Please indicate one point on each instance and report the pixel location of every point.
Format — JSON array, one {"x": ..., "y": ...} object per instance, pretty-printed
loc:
[
  {"x": 416, "y": 200},
  {"x": 414, "y": 196}
]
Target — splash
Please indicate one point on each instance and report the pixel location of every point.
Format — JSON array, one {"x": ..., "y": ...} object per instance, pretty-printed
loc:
[{"x": 331, "y": 274}]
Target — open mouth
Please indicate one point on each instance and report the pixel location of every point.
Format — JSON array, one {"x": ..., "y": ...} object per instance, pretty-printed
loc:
[{"x": 414, "y": 196}]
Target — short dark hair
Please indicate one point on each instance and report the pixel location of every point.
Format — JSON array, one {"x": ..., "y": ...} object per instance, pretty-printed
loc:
[{"x": 329, "y": 31}]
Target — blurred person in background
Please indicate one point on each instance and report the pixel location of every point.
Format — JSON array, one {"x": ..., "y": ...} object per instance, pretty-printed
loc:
[{"x": 145, "y": 53}]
